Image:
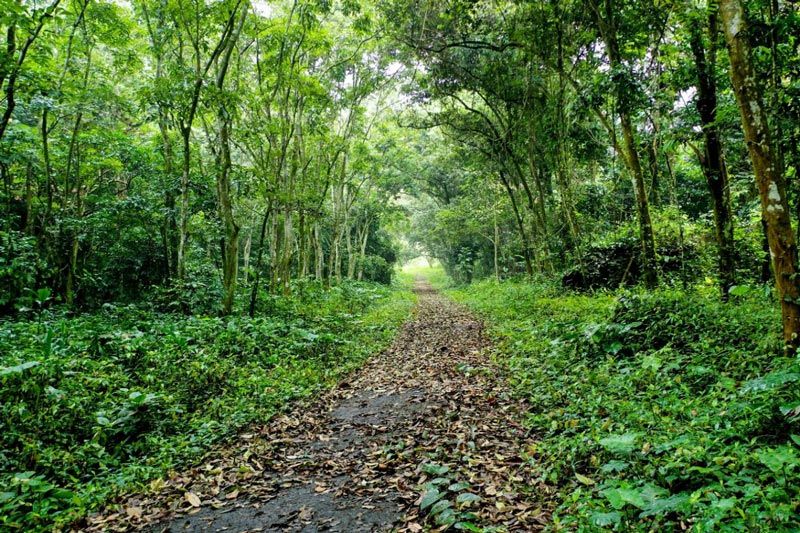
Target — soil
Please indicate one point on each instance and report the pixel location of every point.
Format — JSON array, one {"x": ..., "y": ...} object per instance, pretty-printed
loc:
[{"x": 361, "y": 456}]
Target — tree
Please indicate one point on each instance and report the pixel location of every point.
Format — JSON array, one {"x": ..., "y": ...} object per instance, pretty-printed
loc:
[{"x": 770, "y": 181}]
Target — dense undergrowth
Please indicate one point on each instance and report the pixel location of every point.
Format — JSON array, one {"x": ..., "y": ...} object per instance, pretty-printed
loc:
[
  {"x": 100, "y": 403},
  {"x": 655, "y": 411}
]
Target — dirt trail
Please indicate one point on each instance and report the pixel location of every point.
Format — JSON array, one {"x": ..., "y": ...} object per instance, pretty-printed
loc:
[{"x": 357, "y": 459}]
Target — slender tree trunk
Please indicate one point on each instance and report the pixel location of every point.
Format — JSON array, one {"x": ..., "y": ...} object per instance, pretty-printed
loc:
[
  {"x": 28, "y": 225},
  {"x": 72, "y": 272},
  {"x": 48, "y": 173},
  {"x": 608, "y": 29},
  {"x": 771, "y": 183},
  {"x": 526, "y": 249},
  {"x": 183, "y": 218},
  {"x": 713, "y": 161},
  {"x": 351, "y": 255},
  {"x": 230, "y": 257},
  {"x": 652, "y": 163},
  {"x": 363, "y": 251},
  {"x": 170, "y": 227},
  {"x": 646, "y": 236},
  {"x": 288, "y": 249},
  {"x": 303, "y": 246},
  {"x": 496, "y": 246},
  {"x": 248, "y": 243},
  {"x": 319, "y": 263},
  {"x": 259, "y": 258}
]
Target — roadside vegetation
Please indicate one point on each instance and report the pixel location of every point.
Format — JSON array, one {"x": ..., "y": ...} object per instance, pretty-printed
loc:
[
  {"x": 203, "y": 205},
  {"x": 105, "y": 402},
  {"x": 654, "y": 410}
]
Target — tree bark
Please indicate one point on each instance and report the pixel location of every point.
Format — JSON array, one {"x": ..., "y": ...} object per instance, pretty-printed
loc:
[
  {"x": 259, "y": 258},
  {"x": 608, "y": 30},
  {"x": 771, "y": 183},
  {"x": 526, "y": 249},
  {"x": 230, "y": 242},
  {"x": 712, "y": 160}
]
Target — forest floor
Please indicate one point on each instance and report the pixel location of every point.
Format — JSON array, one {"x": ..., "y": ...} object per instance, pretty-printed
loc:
[{"x": 425, "y": 435}]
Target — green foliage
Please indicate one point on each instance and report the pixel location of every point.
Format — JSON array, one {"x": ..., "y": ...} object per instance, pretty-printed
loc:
[
  {"x": 446, "y": 502},
  {"x": 101, "y": 402},
  {"x": 653, "y": 409}
]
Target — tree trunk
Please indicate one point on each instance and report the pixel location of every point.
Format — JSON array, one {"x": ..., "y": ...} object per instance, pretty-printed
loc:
[
  {"x": 183, "y": 219},
  {"x": 526, "y": 249},
  {"x": 248, "y": 243},
  {"x": 48, "y": 173},
  {"x": 713, "y": 161},
  {"x": 363, "y": 251},
  {"x": 170, "y": 227},
  {"x": 259, "y": 258},
  {"x": 771, "y": 183},
  {"x": 496, "y": 246},
  {"x": 646, "y": 236},
  {"x": 72, "y": 272},
  {"x": 28, "y": 225},
  {"x": 288, "y": 249},
  {"x": 608, "y": 30},
  {"x": 230, "y": 256},
  {"x": 319, "y": 263}
]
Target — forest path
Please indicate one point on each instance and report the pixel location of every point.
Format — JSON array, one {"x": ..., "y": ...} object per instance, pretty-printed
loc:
[{"x": 430, "y": 409}]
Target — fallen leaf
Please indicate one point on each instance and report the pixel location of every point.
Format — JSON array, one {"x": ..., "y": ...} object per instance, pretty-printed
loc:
[{"x": 192, "y": 498}]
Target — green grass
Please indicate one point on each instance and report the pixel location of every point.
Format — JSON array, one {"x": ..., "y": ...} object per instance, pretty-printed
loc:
[
  {"x": 653, "y": 411},
  {"x": 104, "y": 402},
  {"x": 435, "y": 274}
]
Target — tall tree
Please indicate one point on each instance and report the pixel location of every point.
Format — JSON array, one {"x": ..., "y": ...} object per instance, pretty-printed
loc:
[
  {"x": 712, "y": 159},
  {"x": 770, "y": 181}
]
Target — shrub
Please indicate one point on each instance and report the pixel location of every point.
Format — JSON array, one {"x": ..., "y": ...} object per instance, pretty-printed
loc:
[{"x": 654, "y": 411}]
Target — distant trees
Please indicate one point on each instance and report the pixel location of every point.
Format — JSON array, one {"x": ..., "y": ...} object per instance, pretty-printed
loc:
[
  {"x": 558, "y": 99},
  {"x": 207, "y": 148}
]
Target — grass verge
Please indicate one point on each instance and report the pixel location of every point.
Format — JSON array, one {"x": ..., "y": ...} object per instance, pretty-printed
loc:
[
  {"x": 101, "y": 403},
  {"x": 655, "y": 411}
]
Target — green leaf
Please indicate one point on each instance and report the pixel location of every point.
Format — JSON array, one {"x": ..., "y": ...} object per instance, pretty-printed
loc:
[
  {"x": 605, "y": 519},
  {"x": 740, "y": 290},
  {"x": 466, "y": 498},
  {"x": 446, "y": 517},
  {"x": 458, "y": 487},
  {"x": 651, "y": 362},
  {"x": 440, "y": 506},
  {"x": 435, "y": 470},
  {"x": 791, "y": 410},
  {"x": 619, "y": 497},
  {"x": 18, "y": 369},
  {"x": 661, "y": 506},
  {"x": 429, "y": 498},
  {"x": 614, "y": 498},
  {"x": 467, "y": 526},
  {"x": 583, "y": 479},
  {"x": 770, "y": 381},
  {"x": 614, "y": 466},
  {"x": 620, "y": 444}
]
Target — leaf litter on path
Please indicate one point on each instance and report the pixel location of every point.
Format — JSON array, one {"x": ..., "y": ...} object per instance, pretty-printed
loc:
[{"x": 425, "y": 436}]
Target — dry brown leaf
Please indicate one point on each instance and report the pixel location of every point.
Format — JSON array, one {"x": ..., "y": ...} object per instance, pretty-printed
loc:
[{"x": 192, "y": 498}]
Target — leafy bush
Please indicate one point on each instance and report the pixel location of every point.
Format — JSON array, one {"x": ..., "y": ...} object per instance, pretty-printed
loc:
[
  {"x": 377, "y": 269},
  {"x": 614, "y": 259},
  {"x": 92, "y": 404},
  {"x": 19, "y": 262},
  {"x": 654, "y": 411}
]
